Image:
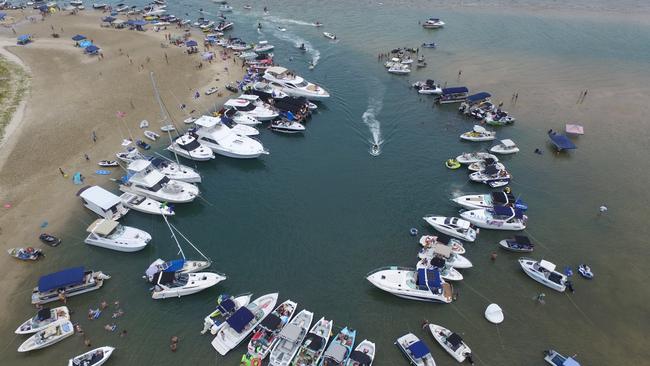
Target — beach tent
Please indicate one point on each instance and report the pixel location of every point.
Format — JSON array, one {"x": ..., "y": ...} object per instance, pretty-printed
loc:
[
  {"x": 119, "y": 23},
  {"x": 136, "y": 22},
  {"x": 207, "y": 56},
  {"x": 24, "y": 38},
  {"x": 191, "y": 43},
  {"x": 575, "y": 129},
  {"x": 78, "y": 38},
  {"x": 108, "y": 19},
  {"x": 92, "y": 49},
  {"x": 561, "y": 142},
  {"x": 2, "y": 15},
  {"x": 85, "y": 43}
]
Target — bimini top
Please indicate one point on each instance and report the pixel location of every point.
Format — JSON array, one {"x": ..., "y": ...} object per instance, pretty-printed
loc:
[
  {"x": 174, "y": 265},
  {"x": 491, "y": 170},
  {"x": 429, "y": 278},
  {"x": 336, "y": 351},
  {"x": 508, "y": 143},
  {"x": 291, "y": 332},
  {"x": 207, "y": 121},
  {"x": 78, "y": 37},
  {"x": 102, "y": 227},
  {"x": 478, "y": 97},
  {"x": 547, "y": 265},
  {"x": 240, "y": 319},
  {"x": 455, "y": 340},
  {"x": 67, "y": 277},
  {"x": 99, "y": 196},
  {"x": 455, "y": 90},
  {"x": 271, "y": 322},
  {"x": 315, "y": 341},
  {"x": 277, "y": 70},
  {"x": 501, "y": 198},
  {"x": 442, "y": 250},
  {"x": 508, "y": 211},
  {"x": 419, "y": 349},
  {"x": 227, "y": 306},
  {"x": 479, "y": 129},
  {"x": 561, "y": 142}
]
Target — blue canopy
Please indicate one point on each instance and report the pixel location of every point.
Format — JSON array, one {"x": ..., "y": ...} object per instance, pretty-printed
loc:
[
  {"x": 227, "y": 306},
  {"x": 455, "y": 90},
  {"x": 561, "y": 142},
  {"x": 478, "y": 96},
  {"x": 502, "y": 210},
  {"x": 85, "y": 43},
  {"x": 23, "y": 38},
  {"x": 67, "y": 277},
  {"x": 419, "y": 349},
  {"x": 78, "y": 37},
  {"x": 191, "y": 43},
  {"x": 108, "y": 19},
  {"x": 240, "y": 318},
  {"x": 136, "y": 22},
  {"x": 437, "y": 280},
  {"x": 92, "y": 49},
  {"x": 175, "y": 265},
  {"x": 2, "y": 15}
]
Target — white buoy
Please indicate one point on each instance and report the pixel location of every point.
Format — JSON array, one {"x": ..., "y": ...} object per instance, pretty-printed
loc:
[
  {"x": 494, "y": 314},
  {"x": 603, "y": 208}
]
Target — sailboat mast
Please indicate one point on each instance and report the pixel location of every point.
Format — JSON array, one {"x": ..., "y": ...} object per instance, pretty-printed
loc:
[
  {"x": 190, "y": 243},
  {"x": 180, "y": 250},
  {"x": 163, "y": 111}
]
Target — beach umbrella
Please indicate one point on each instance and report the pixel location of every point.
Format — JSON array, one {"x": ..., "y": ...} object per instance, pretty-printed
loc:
[
  {"x": 139, "y": 22},
  {"x": 575, "y": 129},
  {"x": 191, "y": 43},
  {"x": 78, "y": 37}
]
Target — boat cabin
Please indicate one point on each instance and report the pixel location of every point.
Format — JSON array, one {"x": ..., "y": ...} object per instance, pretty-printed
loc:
[
  {"x": 241, "y": 105},
  {"x": 102, "y": 202},
  {"x": 102, "y": 228},
  {"x": 240, "y": 319}
]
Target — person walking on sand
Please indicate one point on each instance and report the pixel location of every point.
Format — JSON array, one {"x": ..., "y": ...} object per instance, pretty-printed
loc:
[
  {"x": 460, "y": 72},
  {"x": 86, "y": 156},
  {"x": 62, "y": 172},
  {"x": 94, "y": 136}
]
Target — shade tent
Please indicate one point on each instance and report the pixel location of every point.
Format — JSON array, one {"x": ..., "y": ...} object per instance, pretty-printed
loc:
[
  {"x": 455, "y": 90},
  {"x": 191, "y": 43},
  {"x": 85, "y": 43},
  {"x": 24, "y": 38},
  {"x": 78, "y": 37},
  {"x": 61, "y": 279},
  {"x": 240, "y": 319},
  {"x": 478, "y": 97},
  {"x": 92, "y": 49},
  {"x": 574, "y": 129},
  {"x": 561, "y": 142}
]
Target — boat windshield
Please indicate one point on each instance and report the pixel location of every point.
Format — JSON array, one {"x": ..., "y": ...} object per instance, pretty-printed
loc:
[
  {"x": 116, "y": 233},
  {"x": 191, "y": 145},
  {"x": 156, "y": 187},
  {"x": 248, "y": 107},
  {"x": 301, "y": 84}
]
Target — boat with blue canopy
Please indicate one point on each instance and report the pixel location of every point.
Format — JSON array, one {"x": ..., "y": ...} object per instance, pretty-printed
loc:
[
  {"x": 66, "y": 283},
  {"x": 413, "y": 284},
  {"x": 561, "y": 142},
  {"x": 453, "y": 95},
  {"x": 496, "y": 218},
  {"x": 415, "y": 350},
  {"x": 555, "y": 358}
]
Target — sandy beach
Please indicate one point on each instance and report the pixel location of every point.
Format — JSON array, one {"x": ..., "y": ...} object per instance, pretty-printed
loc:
[{"x": 73, "y": 95}]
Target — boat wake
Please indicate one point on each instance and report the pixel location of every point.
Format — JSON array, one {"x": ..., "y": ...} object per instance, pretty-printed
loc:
[
  {"x": 369, "y": 117},
  {"x": 274, "y": 19},
  {"x": 297, "y": 42}
]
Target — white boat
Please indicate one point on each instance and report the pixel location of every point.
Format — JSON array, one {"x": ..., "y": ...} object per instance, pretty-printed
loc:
[
  {"x": 95, "y": 357},
  {"x": 266, "y": 334},
  {"x": 102, "y": 202},
  {"x": 110, "y": 234},
  {"x": 450, "y": 342},
  {"x": 363, "y": 354},
  {"x": 47, "y": 337},
  {"x": 189, "y": 120},
  {"x": 151, "y": 135},
  {"x": 241, "y": 119},
  {"x": 554, "y": 358},
  {"x": 168, "y": 128},
  {"x": 99, "y": 6},
  {"x": 108, "y": 163},
  {"x": 223, "y": 141},
  {"x": 478, "y": 134},
  {"x": 290, "y": 338},
  {"x": 242, "y": 322},
  {"x": 189, "y": 147},
  {"x": 392, "y": 62},
  {"x": 253, "y": 106},
  {"x": 211, "y": 90},
  {"x": 226, "y": 306},
  {"x": 474, "y": 157},
  {"x": 491, "y": 176},
  {"x": 224, "y": 26},
  {"x": 480, "y": 165},
  {"x": 416, "y": 352},
  {"x": 144, "y": 123},
  {"x": 69, "y": 282},
  {"x": 175, "y": 171},
  {"x": 329, "y": 35},
  {"x": 293, "y": 84},
  {"x": 497, "y": 218},
  {"x": 506, "y": 146},
  {"x": 488, "y": 200},
  {"x": 286, "y": 126},
  {"x": 411, "y": 283},
  {"x": 263, "y": 47},
  {"x": 433, "y": 23},
  {"x": 444, "y": 252},
  {"x": 494, "y": 314},
  {"x": 399, "y": 69},
  {"x": 453, "y": 226},
  {"x": 268, "y": 88},
  {"x": 76, "y": 2},
  {"x": 429, "y": 89},
  {"x": 145, "y": 204},
  {"x": 170, "y": 283},
  {"x": 312, "y": 348},
  {"x": 585, "y": 271},
  {"x": 455, "y": 244},
  {"x": 225, "y": 8},
  {"x": 498, "y": 118},
  {"x": 544, "y": 272},
  {"x": 447, "y": 272},
  {"x": 145, "y": 180},
  {"x": 44, "y": 318}
]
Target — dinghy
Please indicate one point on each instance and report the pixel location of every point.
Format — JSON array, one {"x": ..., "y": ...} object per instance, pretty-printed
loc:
[
  {"x": 544, "y": 272},
  {"x": 329, "y": 35},
  {"x": 554, "y": 358},
  {"x": 453, "y": 226},
  {"x": 450, "y": 342},
  {"x": 286, "y": 126},
  {"x": 290, "y": 338},
  {"x": 339, "y": 350},
  {"x": 107, "y": 163},
  {"x": 145, "y": 204},
  {"x": 497, "y": 218},
  {"x": 494, "y": 314},
  {"x": 226, "y": 306},
  {"x": 585, "y": 271},
  {"x": 474, "y": 157},
  {"x": 168, "y": 128},
  {"x": 413, "y": 284},
  {"x": 265, "y": 335},
  {"x": 48, "y": 336},
  {"x": 45, "y": 317},
  {"x": 478, "y": 134},
  {"x": 189, "y": 120},
  {"x": 26, "y": 254},
  {"x": 455, "y": 244},
  {"x": 416, "y": 352},
  {"x": 312, "y": 348},
  {"x": 151, "y": 135},
  {"x": 144, "y": 123},
  {"x": 504, "y": 147},
  {"x": 519, "y": 244},
  {"x": 95, "y": 357},
  {"x": 363, "y": 354},
  {"x": 50, "y": 240}
]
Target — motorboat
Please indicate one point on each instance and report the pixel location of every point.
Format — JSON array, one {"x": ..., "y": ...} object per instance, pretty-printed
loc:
[
  {"x": 399, "y": 69},
  {"x": 44, "y": 318},
  {"x": 68, "y": 282},
  {"x": 107, "y": 163},
  {"x": 447, "y": 272},
  {"x": 312, "y": 348},
  {"x": 414, "y": 284},
  {"x": 329, "y": 35},
  {"x": 168, "y": 128},
  {"x": 519, "y": 244},
  {"x": 151, "y": 135},
  {"x": 491, "y": 176},
  {"x": 48, "y": 336},
  {"x": 497, "y": 218},
  {"x": 293, "y": 84},
  {"x": 473, "y": 102},
  {"x": 76, "y": 2},
  {"x": 49, "y": 239},
  {"x": 263, "y": 47},
  {"x": 444, "y": 252},
  {"x": 169, "y": 283},
  {"x": 224, "y": 26},
  {"x": 554, "y": 358},
  {"x": 453, "y": 95},
  {"x": 95, "y": 357},
  {"x": 290, "y": 338},
  {"x": 266, "y": 333},
  {"x": 267, "y": 88},
  {"x": 415, "y": 351},
  {"x": 177, "y": 265},
  {"x": 242, "y": 323},
  {"x": 145, "y": 204},
  {"x": 455, "y": 244},
  {"x": 109, "y": 234},
  {"x": 560, "y": 141},
  {"x": 26, "y": 254},
  {"x": 285, "y": 126},
  {"x": 480, "y": 165},
  {"x": 175, "y": 171},
  {"x": 241, "y": 118},
  {"x": 188, "y": 146},
  {"x": 99, "y": 6},
  {"x": 145, "y": 180},
  {"x": 223, "y": 141},
  {"x": 253, "y": 106},
  {"x": 226, "y": 306},
  {"x": 102, "y": 202},
  {"x": 504, "y": 147},
  {"x": 544, "y": 272},
  {"x": 475, "y": 157},
  {"x": 340, "y": 348},
  {"x": 450, "y": 342},
  {"x": 143, "y": 145},
  {"x": 427, "y": 87},
  {"x": 363, "y": 354},
  {"x": 433, "y": 23},
  {"x": 189, "y": 120},
  {"x": 225, "y": 8},
  {"x": 453, "y": 226},
  {"x": 211, "y": 90},
  {"x": 247, "y": 7},
  {"x": 375, "y": 150},
  {"x": 494, "y": 314},
  {"x": 392, "y": 62},
  {"x": 585, "y": 271},
  {"x": 489, "y": 200},
  {"x": 478, "y": 134},
  {"x": 239, "y": 46},
  {"x": 498, "y": 118},
  {"x": 428, "y": 45}
]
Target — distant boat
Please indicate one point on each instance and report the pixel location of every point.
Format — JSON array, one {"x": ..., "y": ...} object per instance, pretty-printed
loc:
[
  {"x": 45, "y": 317},
  {"x": 95, "y": 357},
  {"x": 505, "y": 147},
  {"x": 47, "y": 337},
  {"x": 519, "y": 243},
  {"x": 544, "y": 272},
  {"x": 554, "y": 358},
  {"x": 329, "y": 35},
  {"x": 433, "y": 23}
]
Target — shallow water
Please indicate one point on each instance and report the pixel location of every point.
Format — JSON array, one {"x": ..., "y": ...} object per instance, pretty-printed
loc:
[{"x": 311, "y": 219}]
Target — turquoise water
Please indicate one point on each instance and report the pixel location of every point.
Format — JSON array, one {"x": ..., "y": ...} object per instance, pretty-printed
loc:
[{"x": 311, "y": 219}]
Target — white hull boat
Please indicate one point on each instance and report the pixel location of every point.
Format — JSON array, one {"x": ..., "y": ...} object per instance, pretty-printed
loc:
[
  {"x": 544, "y": 272},
  {"x": 242, "y": 119},
  {"x": 554, "y": 358},
  {"x": 189, "y": 147},
  {"x": 151, "y": 135},
  {"x": 453, "y": 226},
  {"x": 399, "y": 69},
  {"x": 110, "y": 234},
  {"x": 176, "y": 171},
  {"x": 447, "y": 272},
  {"x": 290, "y": 339},
  {"x": 450, "y": 342},
  {"x": 455, "y": 245},
  {"x": 294, "y": 85},
  {"x": 286, "y": 126},
  {"x": 363, "y": 354},
  {"x": 478, "y": 134},
  {"x": 95, "y": 357},
  {"x": 478, "y": 166},
  {"x": 145, "y": 180},
  {"x": 488, "y": 200},
  {"x": 411, "y": 283},
  {"x": 497, "y": 218},
  {"x": 474, "y": 157},
  {"x": 70, "y": 282},
  {"x": 505, "y": 147},
  {"x": 145, "y": 204},
  {"x": 173, "y": 284},
  {"x": 47, "y": 337},
  {"x": 329, "y": 35},
  {"x": 415, "y": 351},
  {"x": 253, "y": 106},
  {"x": 45, "y": 317},
  {"x": 491, "y": 176},
  {"x": 244, "y": 130},
  {"x": 225, "y": 308},
  {"x": 313, "y": 346},
  {"x": 451, "y": 259},
  {"x": 266, "y": 334},
  {"x": 224, "y": 141},
  {"x": 242, "y": 323}
]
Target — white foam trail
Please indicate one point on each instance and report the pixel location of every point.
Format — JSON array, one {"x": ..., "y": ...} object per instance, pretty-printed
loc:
[
  {"x": 274, "y": 19},
  {"x": 369, "y": 117},
  {"x": 297, "y": 41}
]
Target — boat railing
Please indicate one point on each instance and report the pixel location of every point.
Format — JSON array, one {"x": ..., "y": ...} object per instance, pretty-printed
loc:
[{"x": 389, "y": 267}]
